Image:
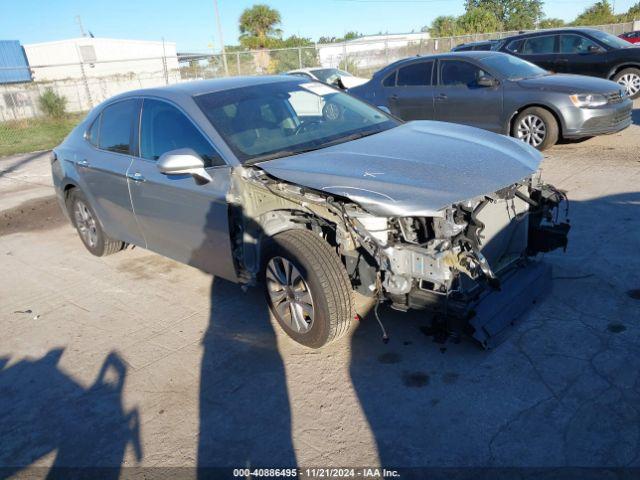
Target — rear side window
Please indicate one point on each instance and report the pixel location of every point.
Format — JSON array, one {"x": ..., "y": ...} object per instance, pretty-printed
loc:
[
  {"x": 115, "y": 127},
  {"x": 164, "y": 128},
  {"x": 539, "y": 45},
  {"x": 94, "y": 131},
  {"x": 456, "y": 73},
  {"x": 515, "y": 46},
  {"x": 414, "y": 75},
  {"x": 390, "y": 81}
]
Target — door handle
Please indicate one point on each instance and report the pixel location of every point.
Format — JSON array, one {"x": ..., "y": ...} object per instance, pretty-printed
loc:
[
  {"x": 83, "y": 163},
  {"x": 136, "y": 177},
  {"x": 394, "y": 97},
  {"x": 442, "y": 97}
]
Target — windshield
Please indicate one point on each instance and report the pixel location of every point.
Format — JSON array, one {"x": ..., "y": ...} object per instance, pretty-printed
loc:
[
  {"x": 274, "y": 120},
  {"x": 513, "y": 68},
  {"x": 609, "y": 40},
  {"x": 329, "y": 75}
]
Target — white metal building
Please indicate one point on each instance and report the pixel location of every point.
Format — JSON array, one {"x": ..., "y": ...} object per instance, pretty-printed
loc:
[{"x": 101, "y": 57}]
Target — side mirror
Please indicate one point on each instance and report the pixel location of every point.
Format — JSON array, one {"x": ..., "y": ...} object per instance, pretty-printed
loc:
[
  {"x": 485, "y": 81},
  {"x": 595, "y": 49},
  {"x": 184, "y": 161}
]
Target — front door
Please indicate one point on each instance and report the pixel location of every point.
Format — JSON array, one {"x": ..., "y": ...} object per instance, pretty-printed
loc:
[
  {"x": 581, "y": 55},
  {"x": 459, "y": 98},
  {"x": 102, "y": 166},
  {"x": 180, "y": 219}
]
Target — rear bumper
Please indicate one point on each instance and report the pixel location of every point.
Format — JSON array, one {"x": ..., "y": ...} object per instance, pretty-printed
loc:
[
  {"x": 487, "y": 314},
  {"x": 587, "y": 122}
]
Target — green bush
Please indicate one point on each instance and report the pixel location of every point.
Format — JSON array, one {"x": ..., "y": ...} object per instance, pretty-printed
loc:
[{"x": 52, "y": 104}]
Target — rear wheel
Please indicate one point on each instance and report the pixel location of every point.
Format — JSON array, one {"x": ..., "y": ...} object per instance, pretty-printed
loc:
[
  {"x": 307, "y": 288},
  {"x": 629, "y": 78},
  {"x": 89, "y": 228},
  {"x": 537, "y": 127}
]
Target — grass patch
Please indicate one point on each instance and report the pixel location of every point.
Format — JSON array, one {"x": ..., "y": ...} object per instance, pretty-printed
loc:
[{"x": 30, "y": 135}]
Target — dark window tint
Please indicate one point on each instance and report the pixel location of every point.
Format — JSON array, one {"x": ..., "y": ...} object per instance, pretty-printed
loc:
[
  {"x": 115, "y": 128},
  {"x": 515, "y": 46},
  {"x": 575, "y": 44},
  {"x": 165, "y": 128},
  {"x": 417, "y": 74},
  {"x": 94, "y": 130},
  {"x": 390, "y": 81},
  {"x": 539, "y": 45},
  {"x": 464, "y": 48},
  {"x": 455, "y": 73}
]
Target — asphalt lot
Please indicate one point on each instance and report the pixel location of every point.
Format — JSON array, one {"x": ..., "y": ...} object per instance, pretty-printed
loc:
[{"x": 134, "y": 359}]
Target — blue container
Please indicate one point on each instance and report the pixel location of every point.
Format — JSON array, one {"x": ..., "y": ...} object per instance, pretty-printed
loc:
[{"x": 14, "y": 67}]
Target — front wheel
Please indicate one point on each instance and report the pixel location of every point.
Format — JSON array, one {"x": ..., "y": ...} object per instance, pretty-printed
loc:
[
  {"x": 307, "y": 288},
  {"x": 629, "y": 78},
  {"x": 537, "y": 127}
]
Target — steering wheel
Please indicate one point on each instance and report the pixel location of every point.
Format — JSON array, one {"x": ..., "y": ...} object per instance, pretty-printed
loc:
[{"x": 304, "y": 125}]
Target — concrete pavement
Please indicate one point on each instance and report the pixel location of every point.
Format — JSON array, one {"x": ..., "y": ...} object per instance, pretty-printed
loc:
[{"x": 135, "y": 360}]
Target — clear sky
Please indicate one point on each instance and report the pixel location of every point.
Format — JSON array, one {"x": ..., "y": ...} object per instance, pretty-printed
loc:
[{"x": 191, "y": 23}]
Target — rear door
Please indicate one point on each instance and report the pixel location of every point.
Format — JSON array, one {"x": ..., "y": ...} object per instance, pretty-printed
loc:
[
  {"x": 409, "y": 91},
  {"x": 576, "y": 55},
  {"x": 180, "y": 219},
  {"x": 459, "y": 98},
  {"x": 103, "y": 166},
  {"x": 538, "y": 49}
]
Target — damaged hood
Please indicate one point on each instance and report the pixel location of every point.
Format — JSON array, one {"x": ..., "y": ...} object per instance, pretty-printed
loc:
[{"x": 415, "y": 169}]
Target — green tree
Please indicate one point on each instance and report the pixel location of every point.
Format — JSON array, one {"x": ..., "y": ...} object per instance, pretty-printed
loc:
[
  {"x": 258, "y": 26},
  {"x": 600, "y": 13},
  {"x": 53, "y": 104},
  {"x": 512, "y": 14},
  {"x": 478, "y": 20},
  {"x": 632, "y": 14},
  {"x": 551, "y": 23},
  {"x": 444, "y": 26}
]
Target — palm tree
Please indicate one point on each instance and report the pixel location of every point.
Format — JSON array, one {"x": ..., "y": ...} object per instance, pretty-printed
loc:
[{"x": 258, "y": 26}]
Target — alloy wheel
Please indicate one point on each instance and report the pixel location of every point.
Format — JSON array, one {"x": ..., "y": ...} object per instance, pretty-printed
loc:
[
  {"x": 85, "y": 223},
  {"x": 630, "y": 82},
  {"x": 289, "y": 294},
  {"x": 532, "y": 130}
]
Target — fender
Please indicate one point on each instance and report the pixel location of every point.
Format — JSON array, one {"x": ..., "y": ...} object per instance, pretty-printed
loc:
[{"x": 551, "y": 108}]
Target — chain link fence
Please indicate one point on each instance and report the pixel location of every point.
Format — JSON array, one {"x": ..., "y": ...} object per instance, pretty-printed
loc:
[{"x": 84, "y": 85}]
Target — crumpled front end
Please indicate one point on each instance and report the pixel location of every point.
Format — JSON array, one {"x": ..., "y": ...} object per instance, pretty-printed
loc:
[{"x": 468, "y": 260}]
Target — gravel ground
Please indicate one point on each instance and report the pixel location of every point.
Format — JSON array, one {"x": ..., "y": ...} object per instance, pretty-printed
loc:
[{"x": 135, "y": 360}]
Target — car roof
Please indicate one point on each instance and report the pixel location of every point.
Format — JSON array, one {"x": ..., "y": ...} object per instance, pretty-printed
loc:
[
  {"x": 552, "y": 31},
  {"x": 474, "y": 54},
  {"x": 200, "y": 87}
]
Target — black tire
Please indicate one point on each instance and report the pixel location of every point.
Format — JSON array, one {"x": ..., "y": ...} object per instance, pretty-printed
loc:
[
  {"x": 325, "y": 278},
  {"x": 551, "y": 128},
  {"x": 97, "y": 242},
  {"x": 631, "y": 73}
]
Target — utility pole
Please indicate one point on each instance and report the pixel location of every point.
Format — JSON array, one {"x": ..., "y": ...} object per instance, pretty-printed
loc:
[
  {"x": 224, "y": 54},
  {"x": 79, "y": 22}
]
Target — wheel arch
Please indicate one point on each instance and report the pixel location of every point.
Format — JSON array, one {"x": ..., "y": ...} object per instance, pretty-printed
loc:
[
  {"x": 618, "y": 68},
  {"x": 549, "y": 108}
]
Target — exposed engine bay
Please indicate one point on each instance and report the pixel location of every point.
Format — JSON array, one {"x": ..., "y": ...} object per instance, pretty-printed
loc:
[{"x": 441, "y": 263}]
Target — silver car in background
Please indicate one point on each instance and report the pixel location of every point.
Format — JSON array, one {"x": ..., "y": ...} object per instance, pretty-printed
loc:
[
  {"x": 235, "y": 177},
  {"x": 500, "y": 93}
]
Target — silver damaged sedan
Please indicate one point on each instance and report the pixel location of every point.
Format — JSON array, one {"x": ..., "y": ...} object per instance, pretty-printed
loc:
[{"x": 315, "y": 194}]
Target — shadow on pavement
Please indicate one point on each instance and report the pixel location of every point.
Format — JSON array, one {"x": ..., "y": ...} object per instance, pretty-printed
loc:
[
  {"x": 45, "y": 411},
  {"x": 27, "y": 158},
  {"x": 245, "y": 417}
]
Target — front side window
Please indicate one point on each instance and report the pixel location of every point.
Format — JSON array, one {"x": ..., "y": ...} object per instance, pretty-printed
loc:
[
  {"x": 454, "y": 73},
  {"x": 164, "y": 128},
  {"x": 512, "y": 68},
  {"x": 575, "y": 44},
  {"x": 115, "y": 127},
  {"x": 279, "y": 119},
  {"x": 515, "y": 46},
  {"x": 539, "y": 45},
  {"x": 415, "y": 75}
]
